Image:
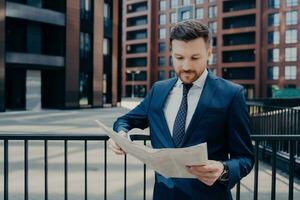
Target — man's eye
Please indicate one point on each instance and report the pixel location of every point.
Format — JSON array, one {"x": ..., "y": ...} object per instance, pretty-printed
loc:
[
  {"x": 195, "y": 58},
  {"x": 179, "y": 58}
]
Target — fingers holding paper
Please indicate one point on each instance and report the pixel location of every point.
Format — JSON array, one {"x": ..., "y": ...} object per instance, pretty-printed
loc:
[
  {"x": 115, "y": 147},
  {"x": 208, "y": 173}
]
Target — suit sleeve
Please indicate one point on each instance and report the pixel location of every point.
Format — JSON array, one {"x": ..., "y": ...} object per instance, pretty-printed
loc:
[
  {"x": 136, "y": 118},
  {"x": 240, "y": 146}
]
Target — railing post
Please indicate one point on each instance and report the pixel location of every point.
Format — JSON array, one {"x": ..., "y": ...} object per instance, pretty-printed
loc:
[
  {"x": 105, "y": 169},
  {"x": 125, "y": 176},
  {"x": 291, "y": 170},
  {"x": 6, "y": 169},
  {"x": 26, "y": 169},
  {"x": 238, "y": 191},
  {"x": 66, "y": 169},
  {"x": 46, "y": 168},
  {"x": 144, "y": 177},
  {"x": 274, "y": 157},
  {"x": 85, "y": 169},
  {"x": 256, "y": 170}
]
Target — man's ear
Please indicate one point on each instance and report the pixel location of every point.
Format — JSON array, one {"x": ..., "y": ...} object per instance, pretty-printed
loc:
[{"x": 209, "y": 52}]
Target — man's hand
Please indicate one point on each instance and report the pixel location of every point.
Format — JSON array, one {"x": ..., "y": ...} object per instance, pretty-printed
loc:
[
  {"x": 208, "y": 173},
  {"x": 115, "y": 147}
]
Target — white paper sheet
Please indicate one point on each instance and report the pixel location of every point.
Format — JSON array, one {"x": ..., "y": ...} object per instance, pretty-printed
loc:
[{"x": 169, "y": 162}]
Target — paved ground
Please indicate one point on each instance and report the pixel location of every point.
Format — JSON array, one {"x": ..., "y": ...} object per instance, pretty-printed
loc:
[{"x": 81, "y": 122}]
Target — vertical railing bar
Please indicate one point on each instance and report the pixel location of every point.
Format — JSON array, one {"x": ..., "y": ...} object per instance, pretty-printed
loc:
[
  {"x": 66, "y": 168},
  {"x": 145, "y": 176},
  {"x": 125, "y": 176},
  {"x": 274, "y": 157},
  {"x": 238, "y": 190},
  {"x": 291, "y": 170},
  {"x": 105, "y": 169},
  {"x": 6, "y": 169},
  {"x": 25, "y": 169},
  {"x": 256, "y": 170},
  {"x": 46, "y": 168},
  {"x": 85, "y": 169}
]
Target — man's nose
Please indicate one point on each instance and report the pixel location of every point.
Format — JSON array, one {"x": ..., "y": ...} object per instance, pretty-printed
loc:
[{"x": 186, "y": 66}]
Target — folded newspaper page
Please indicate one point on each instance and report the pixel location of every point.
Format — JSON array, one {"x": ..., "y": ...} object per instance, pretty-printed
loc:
[{"x": 169, "y": 162}]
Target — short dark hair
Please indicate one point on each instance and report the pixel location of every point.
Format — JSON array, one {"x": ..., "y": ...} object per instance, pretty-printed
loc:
[{"x": 189, "y": 30}]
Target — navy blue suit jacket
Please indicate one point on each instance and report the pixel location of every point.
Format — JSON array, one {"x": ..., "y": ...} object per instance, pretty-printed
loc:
[{"x": 220, "y": 119}]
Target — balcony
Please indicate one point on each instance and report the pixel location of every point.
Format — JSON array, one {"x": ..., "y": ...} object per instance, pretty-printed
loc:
[
  {"x": 239, "y": 73},
  {"x": 21, "y": 11},
  {"x": 239, "y": 39},
  {"x": 136, "y": 48},
  {"x": 136, "y": 62},
  {"x": 239, "y": 56},
  {"x": 136, "y": 35},
  {"x": 239, "y": 21},
  {"x": 137, "y": 21},
  {"x": 137, "y": 7},
  {"x": 238, "y": 5}
]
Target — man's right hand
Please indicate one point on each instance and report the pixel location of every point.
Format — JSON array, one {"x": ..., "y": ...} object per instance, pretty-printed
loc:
[{"x": 115, "y": 147}]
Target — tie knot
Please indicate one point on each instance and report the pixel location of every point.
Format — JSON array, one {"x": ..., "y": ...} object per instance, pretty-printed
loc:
[{"x": 186, "y": 88}]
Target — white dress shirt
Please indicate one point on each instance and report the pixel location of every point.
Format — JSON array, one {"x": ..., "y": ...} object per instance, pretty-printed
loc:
[{"x": 173, "y": 100}]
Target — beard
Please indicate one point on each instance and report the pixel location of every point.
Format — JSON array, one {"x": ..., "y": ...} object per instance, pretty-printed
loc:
[{"x": 188, "y": 76}]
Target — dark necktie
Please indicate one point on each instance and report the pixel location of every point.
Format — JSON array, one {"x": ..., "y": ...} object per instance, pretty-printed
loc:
[{"x": 179, "y": 124}]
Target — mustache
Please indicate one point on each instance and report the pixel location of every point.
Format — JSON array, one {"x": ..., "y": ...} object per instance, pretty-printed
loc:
[{"x": 187, "y": 71}]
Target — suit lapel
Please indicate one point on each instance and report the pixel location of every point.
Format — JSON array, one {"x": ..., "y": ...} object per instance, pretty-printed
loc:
[
  {"x": 164, "y": 92},
  {"x": 204, "y": 100}
]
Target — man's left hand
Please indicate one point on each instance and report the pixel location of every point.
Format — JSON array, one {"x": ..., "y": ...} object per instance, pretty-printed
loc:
[{"x": 208, "y": 173}]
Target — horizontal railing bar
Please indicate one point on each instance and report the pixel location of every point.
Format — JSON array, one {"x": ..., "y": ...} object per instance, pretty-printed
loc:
[
  {"x": 133, "y": 137},
  {"x": 52, "y": 137}
]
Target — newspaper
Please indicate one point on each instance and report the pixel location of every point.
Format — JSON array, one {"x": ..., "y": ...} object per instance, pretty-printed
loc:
[{"x": 169, "y": 162}]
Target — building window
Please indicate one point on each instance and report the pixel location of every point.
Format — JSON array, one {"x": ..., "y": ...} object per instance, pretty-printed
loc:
[
  {"x": 273, "y": 19},
  {"x": 199, "y": 1},
  {"x": 162, "y": 19},
  {"x": 212, "y": 59},
  {"x": 212, "y": 26},
  {"x": 161, "y": 61},
  {"x": 291, "y": 36},
  {"x": 105, "y": 46},
  {"x": 106, "y": 13},
  {"x": 162, "y": 5},
  {"x": 199, "y": 13},
  {"x": 173, "y": 18},
  {"x": 273, "y": 55},
  {"x": 174, "y": 3},
  {"x": 172, "y": 74},
  {"x": 273, "y": 73},
  {"x": 290, "y": 3},
  {"x": 162, "y": 33},
  {"x": 273, "y": 37},
  {"x": 291, "y": 54},
  {"x": 186, "y": 2},
  {"x": 212, "y": 11},
  {"x": 161, "y": 75},
  {"x": 273, "y": 3},
  {"x": 185, "y": 15},
  {"x": 161, "y": 47},
  {"x": 290, "y": 73},
  {"x": 171, "y": 61},
  {"x": 291, "y": 18}
]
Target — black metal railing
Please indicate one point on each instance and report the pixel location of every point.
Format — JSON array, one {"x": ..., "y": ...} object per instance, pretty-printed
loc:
[{"x": 257, "y": 139}]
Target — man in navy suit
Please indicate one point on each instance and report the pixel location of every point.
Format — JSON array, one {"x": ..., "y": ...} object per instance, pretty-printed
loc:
[{"x": 193, "y": 108}]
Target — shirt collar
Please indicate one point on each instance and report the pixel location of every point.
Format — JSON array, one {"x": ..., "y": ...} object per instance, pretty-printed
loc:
[{"x": 198, "y": 83}]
